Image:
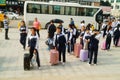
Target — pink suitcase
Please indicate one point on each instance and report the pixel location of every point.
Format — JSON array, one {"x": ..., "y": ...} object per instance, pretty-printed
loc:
[
  {"x": 83, "y": 55},
  {"x": 77, "y": 48},
  {"x": 103, "y": 45},
  {"x": 118, "y": 43},
  {"x": 54, "y": 57}
]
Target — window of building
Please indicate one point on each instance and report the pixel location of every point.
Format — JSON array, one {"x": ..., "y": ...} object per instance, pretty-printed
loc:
[
  {"x": 81, "y": 11},
  {"x": 73, "y": 11},
  {"x": 117, "y": 0},
  {"x": 44, "y": 9}
]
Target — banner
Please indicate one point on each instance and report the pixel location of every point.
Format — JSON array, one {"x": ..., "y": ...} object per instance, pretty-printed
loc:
[{"x": 2, "y": 2}]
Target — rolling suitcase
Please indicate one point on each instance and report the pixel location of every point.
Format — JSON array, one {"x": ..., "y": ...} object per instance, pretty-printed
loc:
[
  {"x": 118, "y": 43},
  {"x": 26, "y": 61},
  {"x": 103, "y": 45},
  {"x": 83, "y": 55},
  {"x": 54, "y": 57},
  {"x": 77, "y": 48}
]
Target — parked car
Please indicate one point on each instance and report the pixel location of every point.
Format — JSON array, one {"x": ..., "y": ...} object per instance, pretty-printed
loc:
[{"x": 11, "y": 15}]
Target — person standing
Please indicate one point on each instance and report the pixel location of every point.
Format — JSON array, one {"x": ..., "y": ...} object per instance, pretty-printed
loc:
[
  {"x": 109, "y": 38},
  {"x": 33, "y": 45},
  {"x": 116, "y": 35},
  {"x": 72, "y": 21},
  {"x": 23, "y": 34},
  {"x": 60, "y": 44},
  {"x": 93, "y": 48},
  {"x": 6, "y": 26},
  {"x": 37, "y": 26},
  {"x": 70, "y": 39},
  {"x": 51, "y": 29}
]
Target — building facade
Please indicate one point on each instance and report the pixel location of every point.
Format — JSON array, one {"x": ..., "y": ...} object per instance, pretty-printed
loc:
[{"x": 115, "y": 7}]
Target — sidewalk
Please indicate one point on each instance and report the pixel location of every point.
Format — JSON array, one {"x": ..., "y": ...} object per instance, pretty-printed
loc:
[{"x": 11, "y": 63}]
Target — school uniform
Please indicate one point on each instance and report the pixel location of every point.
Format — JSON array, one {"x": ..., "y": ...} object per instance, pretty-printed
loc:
[
  {"x": 6, "y": 23},
  {"x": 104, "y": 28},
  {"x": 23, "y": 35},
  {"x": 60, "y": 44},
  {"x": 70, "y": 40},
  {"x": 33, "y": 44},
  {"x": 51, "y": 30},
  {"x": 81, "y": 38},
  {"x": 108, "y": 39},
  {"x": 116, "y": 36},
  {"x": 93, "y": 49}
]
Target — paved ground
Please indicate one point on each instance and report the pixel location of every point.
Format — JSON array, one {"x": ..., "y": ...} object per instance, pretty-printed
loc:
[{"x": 11, "y": 63}]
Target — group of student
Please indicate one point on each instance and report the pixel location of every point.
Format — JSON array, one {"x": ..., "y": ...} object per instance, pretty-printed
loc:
[
  {"x": 89, "y": 38},
  {"x": 63, "y": 39}
]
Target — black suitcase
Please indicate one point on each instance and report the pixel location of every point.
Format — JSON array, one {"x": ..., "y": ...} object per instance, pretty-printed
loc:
[{"x": 26, "y": 61}]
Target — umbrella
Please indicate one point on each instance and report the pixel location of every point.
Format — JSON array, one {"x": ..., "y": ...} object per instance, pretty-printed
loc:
[{"x": 57, "y": 21}]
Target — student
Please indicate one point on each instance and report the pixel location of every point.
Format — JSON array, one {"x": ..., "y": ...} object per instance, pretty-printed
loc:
[
  {"x": 6, "y": 23},
  {"x": 51, "y": 29},
  {"x": 37, "y": 26},
  {"x": 23, "y": 34},
  {"x": 104, "y": 27},
  {"x": 116, "y": 35},
  {"x": 72, "y": 21},
  {"x": 60, "y": 44},
  {"x": 34, "y": 45},
  {"x": 108, "y": 38},
  {"x": 70, "y": 39},
  {"x": 93, "y": 48}
]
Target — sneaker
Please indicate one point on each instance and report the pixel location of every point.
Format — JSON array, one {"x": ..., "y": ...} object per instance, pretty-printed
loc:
[
  {"x": 32, "y": 64},
  {"x": 63, "y": 63},
  {"x": 89, "y": 64},
  {"x": 39, "y": 68},
  {"x": 95, "y": 64}
]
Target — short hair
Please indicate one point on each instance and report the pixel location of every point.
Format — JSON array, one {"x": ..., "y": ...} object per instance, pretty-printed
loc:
[{"x": 33, "y": 28}]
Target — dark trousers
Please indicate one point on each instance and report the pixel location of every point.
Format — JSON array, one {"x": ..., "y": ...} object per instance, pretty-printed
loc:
[
  {"x": 38, "y": 33},
  {"x": 115, "y": 40},
  {"x": 6, "y": 33},
  {"x": 95, "y": 53},
  {"x": 104, "y": 33},
  {"x": 23, "y": 39},
  {"x": 37, "y": 56},
  {"x": 62, "y": 51},
  {"x": 69, "y": 48},
  {"x": 108, "y": 43}
]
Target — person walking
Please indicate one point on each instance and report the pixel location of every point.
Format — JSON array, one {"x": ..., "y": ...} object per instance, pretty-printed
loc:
[
  {"x": 33, "y": 45},
  {"x": 72, "y": 21},
  {"x": 6, "y": 26},
  {"x": 23, "y": 34},
  {"x": 60, "y": 44},
  {"x": 37, "y": 26}
]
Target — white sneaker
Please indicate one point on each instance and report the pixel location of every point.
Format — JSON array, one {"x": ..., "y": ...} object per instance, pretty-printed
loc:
[
  {"x": 32, "y": 64},
  {"x": 95, "y": 64},
  {"x": 63, "y": 63},
  {"x": 89, "y": 64},
  {"x": 39, "y": 68}
]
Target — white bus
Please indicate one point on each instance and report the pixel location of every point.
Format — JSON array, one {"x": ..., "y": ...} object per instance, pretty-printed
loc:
[{"x": 46, "y": 11}]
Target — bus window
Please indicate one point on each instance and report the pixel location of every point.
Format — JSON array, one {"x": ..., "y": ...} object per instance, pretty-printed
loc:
[
  {"x": 67, "y": 11},
  {"x": 50, "y": 9},
  {"x": 73, "y": 11},
  {"x": 44, "y": 9},
  {"x": 33, "y": 8},
  {"x": 56, "y": 9},
  {"x": 81, "y": 11},
  {"x": 91, "y": 11},
  {"x": 62, "y": 10},
  {"x": 29, "y": 8}
]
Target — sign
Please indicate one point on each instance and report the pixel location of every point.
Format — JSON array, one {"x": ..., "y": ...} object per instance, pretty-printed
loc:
[{"x": 2, "y": 2}]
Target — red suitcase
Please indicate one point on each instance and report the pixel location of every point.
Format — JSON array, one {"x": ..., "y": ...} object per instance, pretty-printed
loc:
[
  {"x": 54, "y": 57},
  {"x": 77, "y": 48}
]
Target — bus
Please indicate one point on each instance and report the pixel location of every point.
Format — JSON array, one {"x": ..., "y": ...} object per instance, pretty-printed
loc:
[{"x": 46, "y": 11}]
